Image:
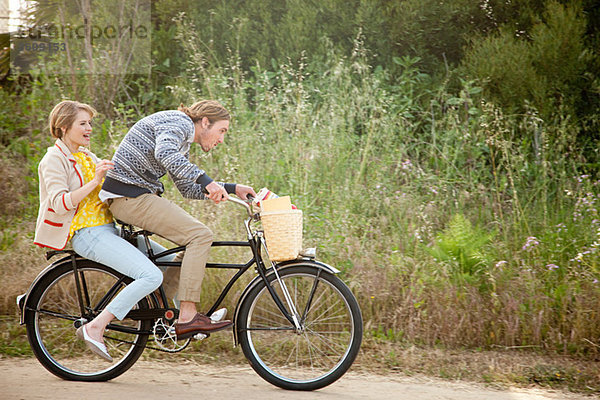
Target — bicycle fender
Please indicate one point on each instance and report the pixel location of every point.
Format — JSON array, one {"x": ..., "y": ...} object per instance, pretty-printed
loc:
[
  {"x": 48, "y": 269},
  {"x": 313, "y": 263},
  {"x": 280, "y": 267}
]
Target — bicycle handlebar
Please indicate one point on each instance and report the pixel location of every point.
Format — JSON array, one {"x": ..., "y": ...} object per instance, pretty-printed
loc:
[
  {"x": 241, "y": 202},
  {"x": 245, "y": 203}
]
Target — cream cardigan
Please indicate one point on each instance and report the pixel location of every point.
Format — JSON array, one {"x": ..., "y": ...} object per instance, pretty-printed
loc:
[{"x": 59, "y": 175}]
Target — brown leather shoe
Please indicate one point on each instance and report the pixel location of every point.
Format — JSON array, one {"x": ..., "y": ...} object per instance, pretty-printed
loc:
[{"x": 199, "y": 324}]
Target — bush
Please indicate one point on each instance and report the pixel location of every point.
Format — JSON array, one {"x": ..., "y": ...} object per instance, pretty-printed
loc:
[{"x": 545, "y": 69}]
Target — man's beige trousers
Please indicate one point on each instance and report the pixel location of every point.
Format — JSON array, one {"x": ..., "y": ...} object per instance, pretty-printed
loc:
[{"x": 164, "y": 218}]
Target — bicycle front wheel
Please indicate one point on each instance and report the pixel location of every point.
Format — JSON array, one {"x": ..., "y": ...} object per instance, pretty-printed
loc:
[
  {"x": 54, "y": 308},
  {"x": 314, "y": 356}
]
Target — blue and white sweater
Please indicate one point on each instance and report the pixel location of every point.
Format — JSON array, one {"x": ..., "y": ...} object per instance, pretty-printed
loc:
[{"x": 156, "y": 145}]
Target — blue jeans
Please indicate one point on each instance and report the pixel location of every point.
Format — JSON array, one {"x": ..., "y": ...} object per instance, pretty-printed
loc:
[{"x": 104, "y": 245}]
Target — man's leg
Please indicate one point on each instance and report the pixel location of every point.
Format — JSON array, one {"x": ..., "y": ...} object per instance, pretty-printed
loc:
[{"x": 166, "y": 219}]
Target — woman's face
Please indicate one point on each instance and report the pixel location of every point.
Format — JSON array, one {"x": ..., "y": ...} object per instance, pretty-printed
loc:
[{"x": 78, "y": 134}]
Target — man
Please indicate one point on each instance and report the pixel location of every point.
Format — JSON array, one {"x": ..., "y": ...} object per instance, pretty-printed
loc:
[{"x": 156, "y": 145}]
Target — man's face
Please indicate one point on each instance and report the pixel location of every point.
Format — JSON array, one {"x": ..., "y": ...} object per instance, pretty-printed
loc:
[{"x": 209, "y": 136}]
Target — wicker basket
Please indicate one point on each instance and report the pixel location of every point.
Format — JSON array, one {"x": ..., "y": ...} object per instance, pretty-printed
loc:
[{"x": 283, "y": 233}]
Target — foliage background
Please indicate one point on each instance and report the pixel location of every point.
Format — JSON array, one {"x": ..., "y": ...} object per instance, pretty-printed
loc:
[{"x": 445, "y": 153}]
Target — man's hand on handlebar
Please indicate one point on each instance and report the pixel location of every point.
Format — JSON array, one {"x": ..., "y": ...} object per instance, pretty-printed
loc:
[
  {"x": 216, "y": 192},
  {"x": 243, "y": 191}
]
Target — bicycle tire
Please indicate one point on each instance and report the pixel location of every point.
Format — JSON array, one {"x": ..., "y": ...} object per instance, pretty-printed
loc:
[
  {"x": 53, "y": 309},
  {"x": 311, "y": 359}
]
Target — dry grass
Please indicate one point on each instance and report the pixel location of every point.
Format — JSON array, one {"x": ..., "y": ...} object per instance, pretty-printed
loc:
[
  {"x": 20, "y": 264},
  {"x": 500, "y": 368},
  {"x": 13, "y": 186}
]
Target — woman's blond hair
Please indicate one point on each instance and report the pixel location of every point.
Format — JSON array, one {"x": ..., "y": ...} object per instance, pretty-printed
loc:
[
  {"x": 63, "y": 115},
  {"x": 211, "y": 109}
]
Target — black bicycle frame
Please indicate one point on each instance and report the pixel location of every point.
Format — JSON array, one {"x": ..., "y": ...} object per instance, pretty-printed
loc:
[{"x": 254, "y": 245}]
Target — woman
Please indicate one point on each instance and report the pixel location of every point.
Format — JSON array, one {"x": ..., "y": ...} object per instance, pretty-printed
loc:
[{"x": 70, "y": 180}]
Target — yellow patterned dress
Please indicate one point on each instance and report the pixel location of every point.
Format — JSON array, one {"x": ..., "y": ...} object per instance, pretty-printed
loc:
[{"x": 91, "y": 211}]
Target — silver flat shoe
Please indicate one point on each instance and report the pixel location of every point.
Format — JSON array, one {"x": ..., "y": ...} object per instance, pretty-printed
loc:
[{"x": 95, "y": 346}]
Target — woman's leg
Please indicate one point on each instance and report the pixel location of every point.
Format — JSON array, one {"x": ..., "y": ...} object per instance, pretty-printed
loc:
[
  {"x": 170, "y": 274},
  {"x": 104, "y": 245}
]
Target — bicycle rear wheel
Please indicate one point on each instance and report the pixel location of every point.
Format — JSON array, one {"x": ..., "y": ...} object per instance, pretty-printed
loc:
[
  {"x": 322, "y": 351},
  {"x": 53, "y": 310}
]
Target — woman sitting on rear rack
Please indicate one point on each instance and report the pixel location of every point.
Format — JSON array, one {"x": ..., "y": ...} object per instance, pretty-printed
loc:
[{"x": 70, "y": 178}]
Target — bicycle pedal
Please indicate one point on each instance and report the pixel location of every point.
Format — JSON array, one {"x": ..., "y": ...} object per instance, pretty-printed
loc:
[{"x": 78, "y": 323}]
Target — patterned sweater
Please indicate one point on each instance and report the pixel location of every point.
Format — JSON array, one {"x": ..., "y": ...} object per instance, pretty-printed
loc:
[{"x": 156, "y": 145}]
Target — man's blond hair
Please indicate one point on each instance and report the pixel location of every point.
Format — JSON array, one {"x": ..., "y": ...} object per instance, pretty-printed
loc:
[{"x": 211, "y": 109}]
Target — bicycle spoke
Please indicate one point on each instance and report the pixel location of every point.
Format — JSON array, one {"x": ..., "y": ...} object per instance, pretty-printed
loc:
[
  {"x": 327, "y": 342},
  {"x": 276, "y": 314},
  {"x": 318, "y": 350},
  {"x": 58, "y": 315},
  {"x": 325, "y": 312}
]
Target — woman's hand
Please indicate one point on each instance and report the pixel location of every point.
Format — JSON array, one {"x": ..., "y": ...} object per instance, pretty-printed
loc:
[{"x": 101, "y": 169}]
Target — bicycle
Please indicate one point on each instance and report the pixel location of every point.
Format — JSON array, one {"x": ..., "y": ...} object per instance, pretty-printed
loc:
[{"x": 299, "y": 326}]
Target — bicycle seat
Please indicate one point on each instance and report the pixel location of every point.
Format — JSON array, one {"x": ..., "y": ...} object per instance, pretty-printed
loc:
[{"x": 129, "y": 230}]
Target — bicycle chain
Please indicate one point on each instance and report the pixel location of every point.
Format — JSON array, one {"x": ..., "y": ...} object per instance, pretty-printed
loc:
[{"x": 146, "y": 346}]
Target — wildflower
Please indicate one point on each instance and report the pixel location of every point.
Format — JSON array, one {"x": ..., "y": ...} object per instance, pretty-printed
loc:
[
  {"x": 552, "y": 267},
  {"x": 531, "y": 242},
  {"x": 582, "y": 178},
  {"x": 399, "y": 195},
  {"x": 406, "y": 165},
  {"x": 500, "y": 264},
  {"x": 595, "y": 281}
]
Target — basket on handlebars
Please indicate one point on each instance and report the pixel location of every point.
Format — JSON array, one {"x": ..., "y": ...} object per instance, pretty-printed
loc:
[{"x": 283, "y": 233}]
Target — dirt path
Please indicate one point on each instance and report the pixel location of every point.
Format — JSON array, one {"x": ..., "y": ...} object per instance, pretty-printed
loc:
[{"x": 25, "y": 379}]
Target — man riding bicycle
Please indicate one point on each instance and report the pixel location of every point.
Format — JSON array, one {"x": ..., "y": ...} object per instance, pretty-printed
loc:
[{"x": 156, "y": 145}]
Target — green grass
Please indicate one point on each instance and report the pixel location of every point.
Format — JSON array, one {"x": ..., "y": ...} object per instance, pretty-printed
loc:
[{"x": 13, "y": 341}]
